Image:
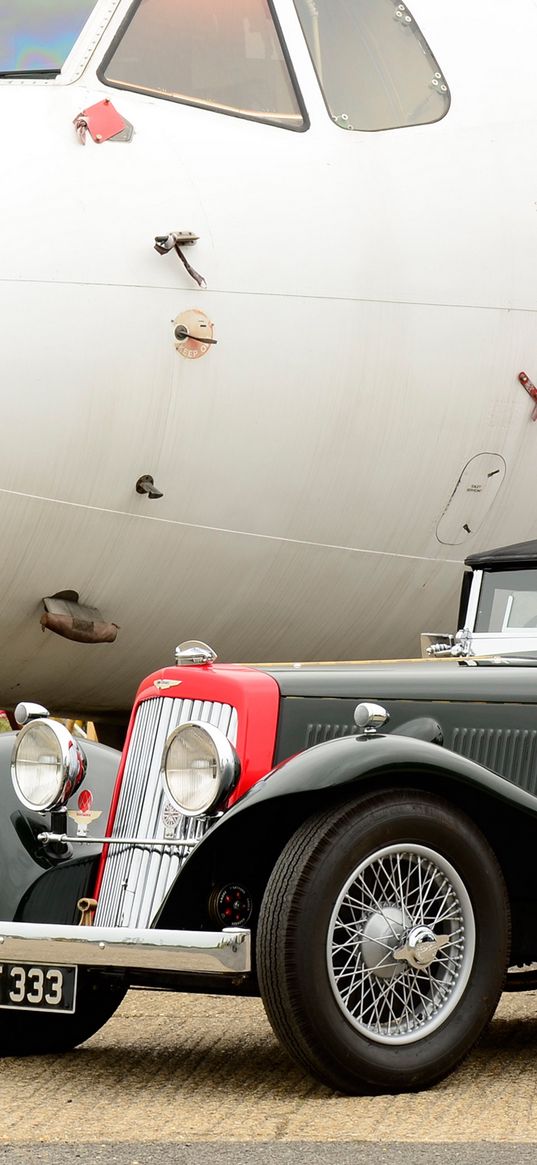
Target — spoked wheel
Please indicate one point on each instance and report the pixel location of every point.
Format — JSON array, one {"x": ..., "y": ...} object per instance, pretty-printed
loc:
[
  {"x": 383, "y": 942},
  {"x": 26, "y": 1033},
  {"x": 401, "y": 943}
]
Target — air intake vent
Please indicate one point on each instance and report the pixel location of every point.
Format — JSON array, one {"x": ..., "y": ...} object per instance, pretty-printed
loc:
[
  {"x": 511, "y": 752},
  {"x": 318, "y": 733}
]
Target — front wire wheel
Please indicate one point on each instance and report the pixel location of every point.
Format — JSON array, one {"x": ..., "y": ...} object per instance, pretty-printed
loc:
[
  {"x": 383, "y": 942},
  {"x": 401, "y": 944}
]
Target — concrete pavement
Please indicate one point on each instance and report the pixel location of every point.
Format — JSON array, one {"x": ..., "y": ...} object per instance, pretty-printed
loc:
[{"x": 170, "y": 1069}]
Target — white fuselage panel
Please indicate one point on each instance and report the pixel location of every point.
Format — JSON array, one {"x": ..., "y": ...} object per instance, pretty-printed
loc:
[{"x": 373, "y": 297}]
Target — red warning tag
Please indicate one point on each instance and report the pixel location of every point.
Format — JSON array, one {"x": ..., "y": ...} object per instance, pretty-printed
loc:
[{"x": 103, "y": 121}]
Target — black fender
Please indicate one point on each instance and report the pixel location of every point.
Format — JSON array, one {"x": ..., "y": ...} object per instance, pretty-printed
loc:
[{"x": 243, "y": 846}]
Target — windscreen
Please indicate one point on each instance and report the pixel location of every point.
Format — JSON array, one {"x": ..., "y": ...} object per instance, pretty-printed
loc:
[
  {"x": 508, "y": 601},
  {"x": 36, "y": 36}
]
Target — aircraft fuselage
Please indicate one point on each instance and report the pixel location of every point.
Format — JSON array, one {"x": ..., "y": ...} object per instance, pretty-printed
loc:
[{"x": 373, "y": 299}]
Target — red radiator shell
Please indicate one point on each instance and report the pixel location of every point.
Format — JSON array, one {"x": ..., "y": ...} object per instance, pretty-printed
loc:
[{"x": 254, "y": 694}]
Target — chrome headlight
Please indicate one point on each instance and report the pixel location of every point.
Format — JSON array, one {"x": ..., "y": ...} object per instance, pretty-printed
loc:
[
  {"x": 199, "y": 767},
  {"x": 47, "y": 765}
]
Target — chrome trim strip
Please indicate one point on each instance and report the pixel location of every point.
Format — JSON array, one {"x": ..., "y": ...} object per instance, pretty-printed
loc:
[
  {"x": 220, "y": 952},
  {"x": 153, "y": 843}
]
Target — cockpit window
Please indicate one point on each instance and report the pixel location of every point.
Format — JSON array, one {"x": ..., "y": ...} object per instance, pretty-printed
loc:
[
  {"x": 374, "y": 67},
  {"x": 224, "y": 55},
  {"x": 37, "y": 37}
]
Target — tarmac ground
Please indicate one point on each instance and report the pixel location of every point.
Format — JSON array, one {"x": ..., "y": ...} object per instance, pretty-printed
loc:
[{"x": 172, "y": 1072}]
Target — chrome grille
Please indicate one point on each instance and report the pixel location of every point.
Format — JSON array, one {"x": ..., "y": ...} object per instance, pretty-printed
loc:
[{"x": 136, "y": 879}]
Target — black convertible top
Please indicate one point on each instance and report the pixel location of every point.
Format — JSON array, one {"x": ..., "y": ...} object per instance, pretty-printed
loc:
[{"x": 519, "y": 554}]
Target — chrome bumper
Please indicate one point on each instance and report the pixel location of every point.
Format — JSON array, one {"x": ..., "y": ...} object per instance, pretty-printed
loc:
[{"x": 220, "y": 952}]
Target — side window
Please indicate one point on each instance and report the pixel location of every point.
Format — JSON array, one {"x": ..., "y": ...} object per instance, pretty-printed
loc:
[
  {"x": 374, "y": 67},
  {"x": 37, "y": 37},
  {"x": 227, "y": 57}
]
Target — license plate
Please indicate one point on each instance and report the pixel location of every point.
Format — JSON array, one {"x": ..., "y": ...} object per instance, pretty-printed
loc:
[{"x": 31, "y": 987}]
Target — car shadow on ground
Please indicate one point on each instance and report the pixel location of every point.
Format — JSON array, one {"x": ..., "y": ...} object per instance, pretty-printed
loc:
[{"x": 208, "y": 1049}]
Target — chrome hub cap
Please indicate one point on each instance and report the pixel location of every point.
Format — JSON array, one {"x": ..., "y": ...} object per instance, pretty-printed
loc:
[
  {"x": 384, "y": 931},
  {"x": 401, "y": 944}
]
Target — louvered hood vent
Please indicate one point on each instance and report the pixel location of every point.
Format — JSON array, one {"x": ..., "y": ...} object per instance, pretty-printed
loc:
[{"x": 136, "y": 879}]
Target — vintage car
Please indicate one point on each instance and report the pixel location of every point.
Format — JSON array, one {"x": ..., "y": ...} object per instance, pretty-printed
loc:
[{"x": 354, "y": 842}]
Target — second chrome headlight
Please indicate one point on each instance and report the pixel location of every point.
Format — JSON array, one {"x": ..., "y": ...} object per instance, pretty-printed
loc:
[{"x": 199, "y": 767}]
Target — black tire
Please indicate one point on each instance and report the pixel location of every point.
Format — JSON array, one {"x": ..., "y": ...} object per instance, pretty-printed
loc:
[
  {"x": 26, "y": 1033},
  {"x": 309, "y": 922}
]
